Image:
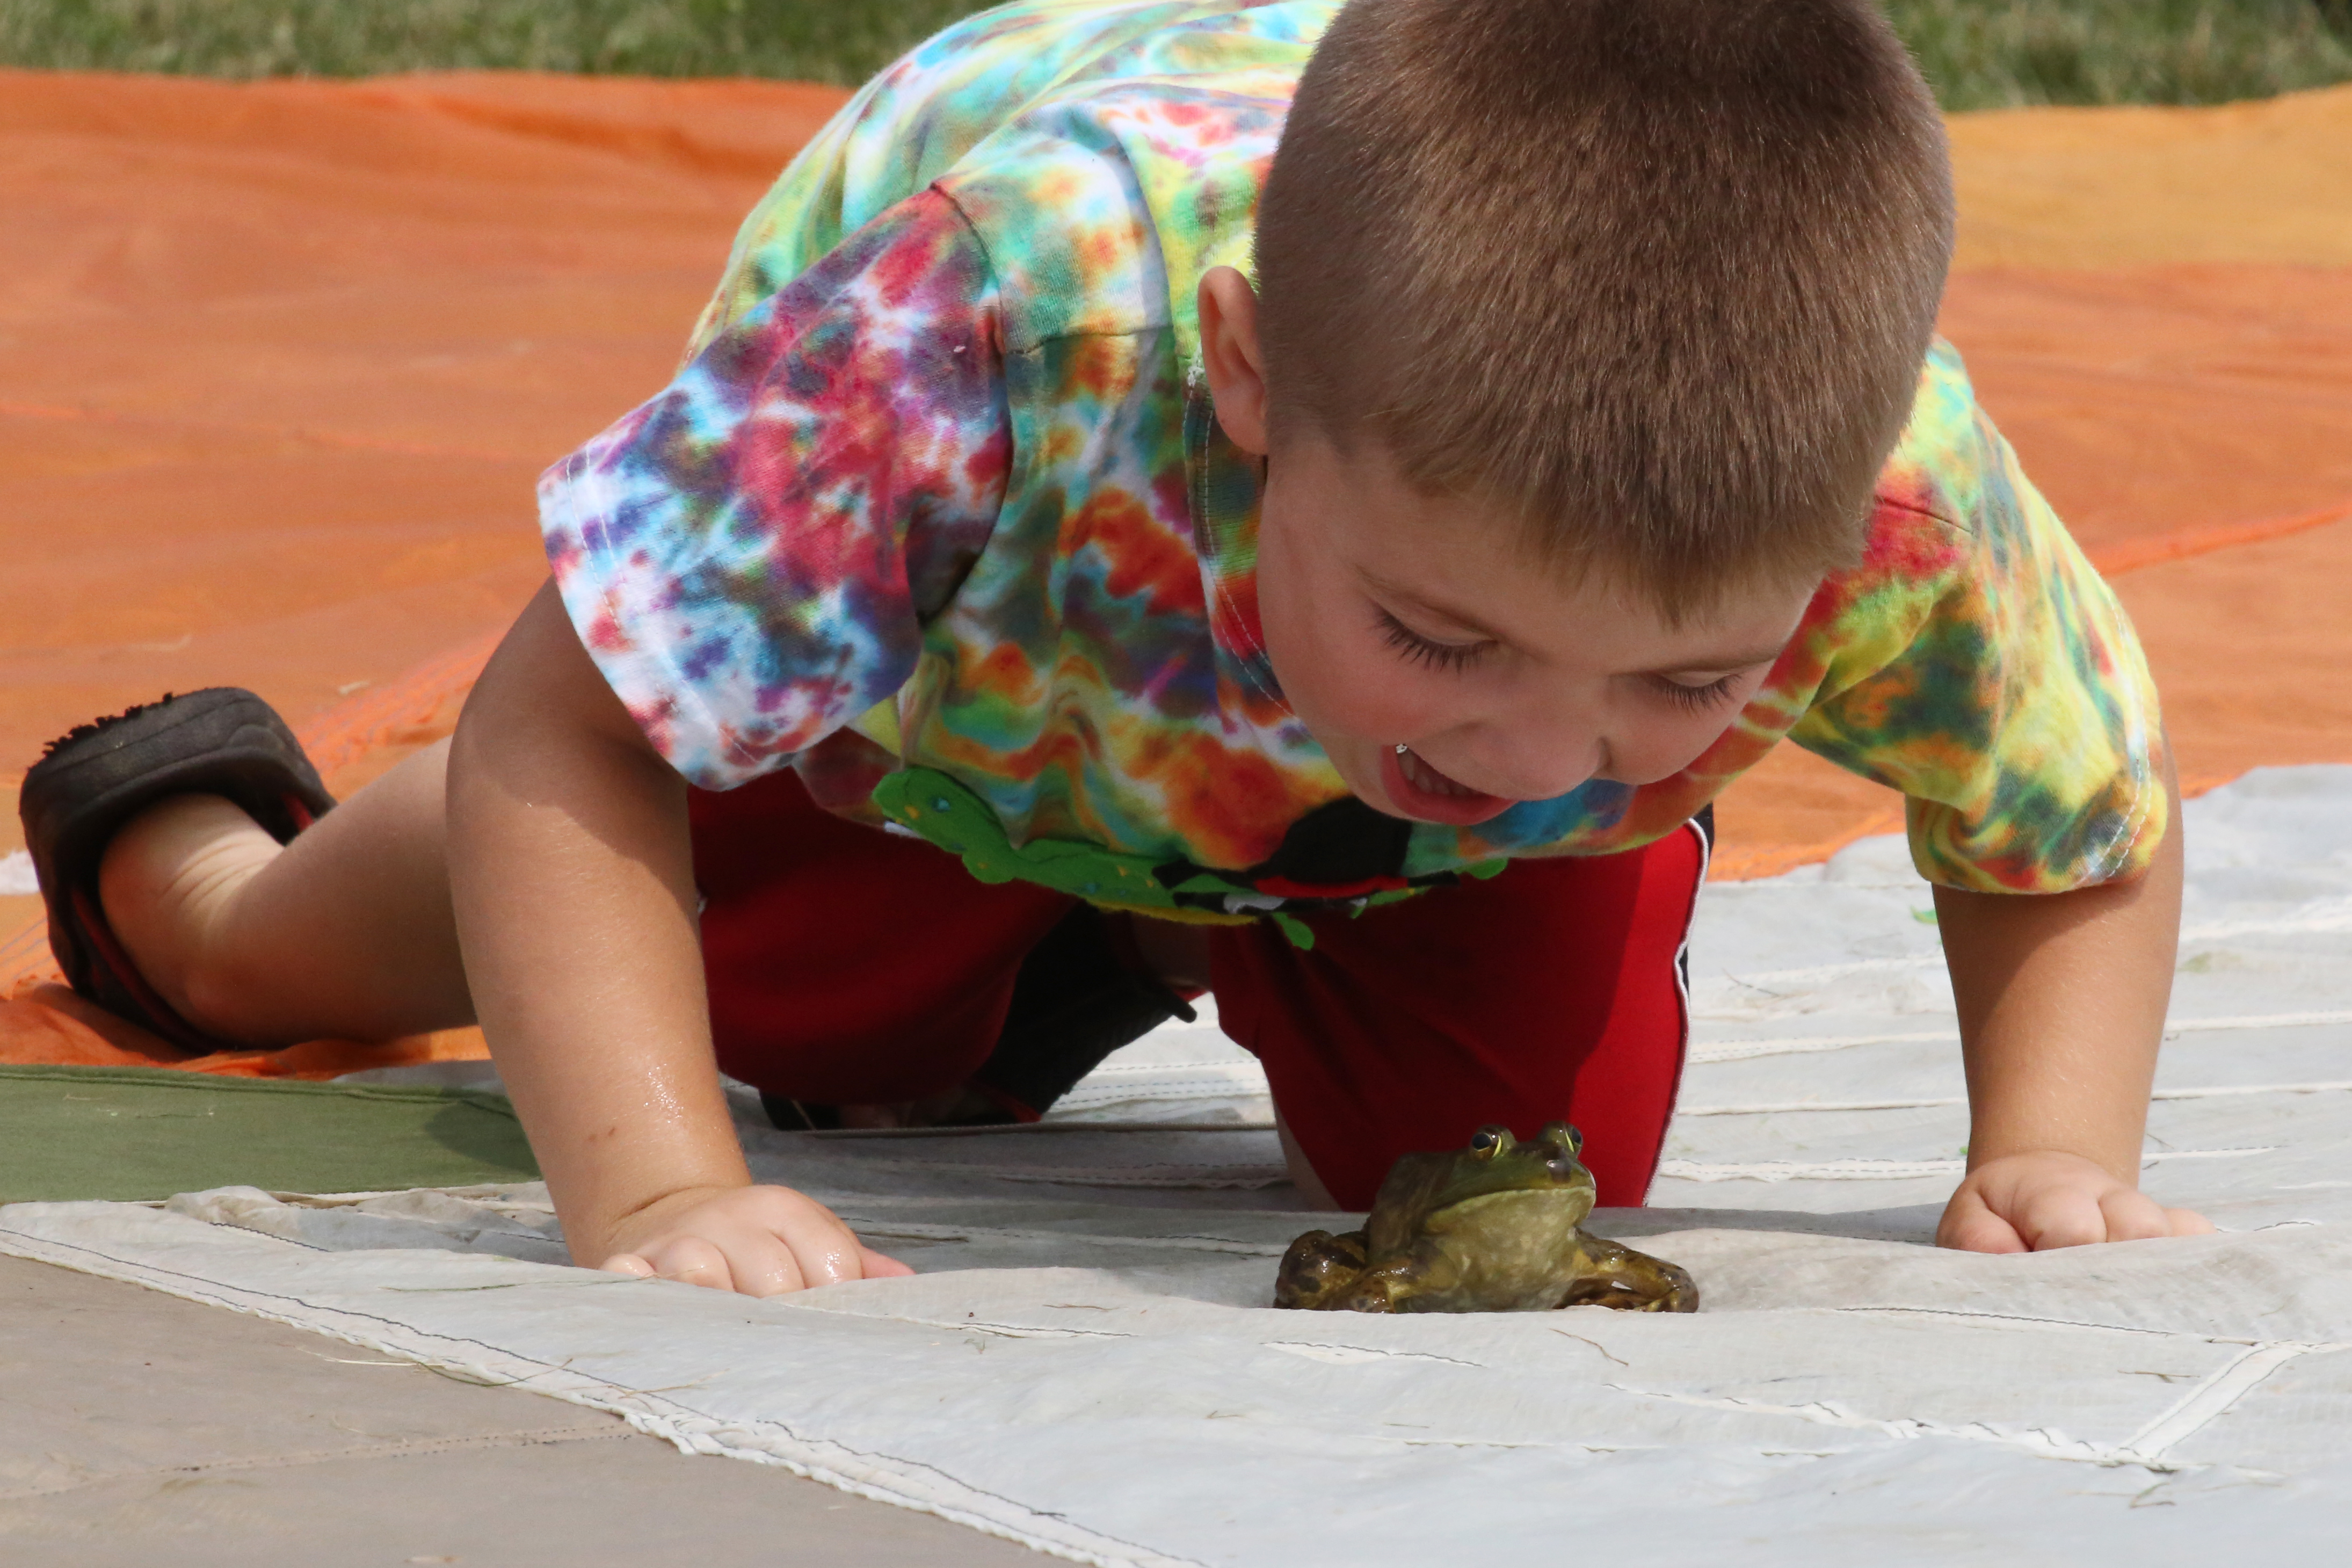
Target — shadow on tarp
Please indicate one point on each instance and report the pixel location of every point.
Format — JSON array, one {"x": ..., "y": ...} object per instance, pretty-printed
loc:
[
  {"x": 131, "y": 1133},
  {"x": 1913, "y": 1224}
]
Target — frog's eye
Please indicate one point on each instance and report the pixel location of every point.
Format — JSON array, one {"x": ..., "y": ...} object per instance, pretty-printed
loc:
[{"x": 1486, "y": 1139}]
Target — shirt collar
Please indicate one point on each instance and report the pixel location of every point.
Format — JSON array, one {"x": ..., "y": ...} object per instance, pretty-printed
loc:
[{"x": 1225, "y": 486}]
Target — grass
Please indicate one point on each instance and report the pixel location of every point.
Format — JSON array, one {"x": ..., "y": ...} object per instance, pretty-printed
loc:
[
  {"x": 1980, "y": 54},
  {"x": 1994, "y": 54},
  {"x": 842, "y": 41}
]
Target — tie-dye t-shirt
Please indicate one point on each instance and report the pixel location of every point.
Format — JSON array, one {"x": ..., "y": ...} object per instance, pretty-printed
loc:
[{"x": 937, "y": 512}]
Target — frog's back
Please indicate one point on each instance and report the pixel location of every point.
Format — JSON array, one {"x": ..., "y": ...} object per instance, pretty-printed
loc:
[{"x": 1414, "y": 1187}]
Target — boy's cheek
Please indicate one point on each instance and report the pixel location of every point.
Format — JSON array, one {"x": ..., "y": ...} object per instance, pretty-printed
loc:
[
  {"x": 1646, "y": 753},
  {"x": 1339, "y": 686},
  {"x": 1376, "y": 703}
]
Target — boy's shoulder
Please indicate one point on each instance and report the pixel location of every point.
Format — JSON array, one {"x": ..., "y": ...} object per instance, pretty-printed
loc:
[
  {"x": 1957, "y": 532},
  {"x": 1104, "y": 155},
  {"x": 1937, "y": 473}
]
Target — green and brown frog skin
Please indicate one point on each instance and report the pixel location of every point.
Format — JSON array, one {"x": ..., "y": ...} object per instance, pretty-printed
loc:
[{"x": 1496, "y": 1227}]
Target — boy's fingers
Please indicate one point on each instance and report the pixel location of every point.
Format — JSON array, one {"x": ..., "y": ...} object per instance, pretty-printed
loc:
[
  {"x": 2133, "y": 1216},
  {"x": 764, "y": 1264},
  {"x": 826, "y": 1253},
  {"x": 1970, "y": 1226},
  {"x": 2063, "y": 1216},
  {"x": 2036, "y": 1203},
  {"x": 879, "y": 1266},
  {"x": 1982, "y": 1233},
  {"x": 690, "y": 1260},
  {"x": 758, "y": 1241}
]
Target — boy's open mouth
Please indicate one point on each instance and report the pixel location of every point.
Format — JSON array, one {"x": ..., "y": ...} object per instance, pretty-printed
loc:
[{"x": 1422, "y": 792}]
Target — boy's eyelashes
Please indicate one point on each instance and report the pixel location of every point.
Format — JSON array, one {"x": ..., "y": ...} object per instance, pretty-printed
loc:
[
  {"x": 1428, "y": 651},
  {"x": 1696, "y": 699},
  {"x": 1432, "y": 653}
]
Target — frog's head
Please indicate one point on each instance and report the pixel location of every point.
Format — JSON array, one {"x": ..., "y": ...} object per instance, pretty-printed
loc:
[
  {"x": 1497, "y": 1183},
  {"x": 1497, "y": 1162}
]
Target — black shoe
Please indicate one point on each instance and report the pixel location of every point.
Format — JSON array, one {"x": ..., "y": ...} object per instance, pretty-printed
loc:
[{"x": 87, "y": 783}]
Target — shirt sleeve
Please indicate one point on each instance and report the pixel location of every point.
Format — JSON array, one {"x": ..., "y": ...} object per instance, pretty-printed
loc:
[
  {"x": 1976, "y": 661},
  {"x": 749, "y": 557}
]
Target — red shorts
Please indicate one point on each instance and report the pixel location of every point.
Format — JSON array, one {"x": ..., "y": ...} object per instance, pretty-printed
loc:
[{"x": 847, "y": 966}]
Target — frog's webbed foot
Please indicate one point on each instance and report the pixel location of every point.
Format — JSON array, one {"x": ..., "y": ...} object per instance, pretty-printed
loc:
[
  {"x": 1319, "y": 1269},
  {"x": 1396, "y": 1286},
  {"x": 1631, "y": 1282}
]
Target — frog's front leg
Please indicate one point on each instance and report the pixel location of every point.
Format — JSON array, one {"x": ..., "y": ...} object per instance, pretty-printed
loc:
[
  {"x": 1319, "y": 1269},
  {"x": 1428, "y": 1278},
  {"x": 1608, "y": 1275}
]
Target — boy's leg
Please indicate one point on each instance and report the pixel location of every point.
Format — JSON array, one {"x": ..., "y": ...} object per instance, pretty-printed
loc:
[
  {"x": 847, "y": 966},
  {"x": 1551, "y": 991},
  {"x": 346, "y": 931}
]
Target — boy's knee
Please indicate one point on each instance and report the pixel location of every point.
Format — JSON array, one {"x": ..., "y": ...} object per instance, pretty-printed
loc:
[{"x": 225, "y": 993}]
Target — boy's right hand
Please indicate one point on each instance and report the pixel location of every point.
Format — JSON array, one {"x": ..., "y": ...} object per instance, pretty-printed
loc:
[
  {"x": 761, "y": 1241},
  {"x": 570, "y": 861}
]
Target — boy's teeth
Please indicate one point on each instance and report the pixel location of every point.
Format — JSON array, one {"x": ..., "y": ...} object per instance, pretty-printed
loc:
[{"x": 1429, "y": 779}]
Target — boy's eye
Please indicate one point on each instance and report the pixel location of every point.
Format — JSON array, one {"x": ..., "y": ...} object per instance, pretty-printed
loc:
[
  {"x": 1696, "y": 699},
  {"x": 1426, "y": 650}
]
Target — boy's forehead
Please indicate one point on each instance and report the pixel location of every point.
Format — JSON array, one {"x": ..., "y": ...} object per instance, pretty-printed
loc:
[
  {"x": 1462, "y": 563},
  {"x": 1464, "y": 568}
]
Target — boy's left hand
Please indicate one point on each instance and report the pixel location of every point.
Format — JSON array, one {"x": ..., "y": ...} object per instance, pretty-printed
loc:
[{"x": 2031, "y": 1201}]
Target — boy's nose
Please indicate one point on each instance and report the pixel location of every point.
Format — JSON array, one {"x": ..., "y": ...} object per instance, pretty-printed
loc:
[{"x": 1539, "y": 764}]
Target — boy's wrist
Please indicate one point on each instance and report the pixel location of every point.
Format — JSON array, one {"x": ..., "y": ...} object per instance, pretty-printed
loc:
[
  {"x": 2049, "y": 1162},
  {"x": 2111, "y": 1163},
  {"x": 598, "y": 1236}
]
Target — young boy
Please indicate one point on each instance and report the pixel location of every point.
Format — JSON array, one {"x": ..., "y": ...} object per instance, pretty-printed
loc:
[{"x": 1363, "y": 640}]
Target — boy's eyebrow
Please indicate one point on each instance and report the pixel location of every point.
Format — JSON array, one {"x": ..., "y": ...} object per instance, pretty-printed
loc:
[
  {"x": 1725, "y": 662},
  {"x": 1462, "y": 620}
]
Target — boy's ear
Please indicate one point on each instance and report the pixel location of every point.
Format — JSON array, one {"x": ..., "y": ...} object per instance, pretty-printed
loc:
[{"x": 1230, "y": 357}]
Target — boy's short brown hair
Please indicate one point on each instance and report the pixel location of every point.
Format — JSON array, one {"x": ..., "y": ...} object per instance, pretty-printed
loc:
[{"x": 1658, "y": 275}]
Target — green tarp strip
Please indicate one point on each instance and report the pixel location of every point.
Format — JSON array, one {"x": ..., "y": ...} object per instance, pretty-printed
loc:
[{"x": 148, "y": 1133}]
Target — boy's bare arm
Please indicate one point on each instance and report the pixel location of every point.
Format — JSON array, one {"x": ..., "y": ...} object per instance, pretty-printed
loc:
[
  {"x": 570, "y": 870},
  {"x": 2062, "y": 1001}
]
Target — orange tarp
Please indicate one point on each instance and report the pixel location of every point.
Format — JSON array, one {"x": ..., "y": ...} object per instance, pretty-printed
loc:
[{"x": 280, "y": 362}]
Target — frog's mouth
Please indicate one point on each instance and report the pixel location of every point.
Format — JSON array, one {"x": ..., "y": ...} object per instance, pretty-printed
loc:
[{"x": 1578, "y": 1195}]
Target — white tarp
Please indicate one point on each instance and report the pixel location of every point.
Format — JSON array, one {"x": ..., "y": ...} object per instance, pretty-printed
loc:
[{"x": 1086, "y": 1362}]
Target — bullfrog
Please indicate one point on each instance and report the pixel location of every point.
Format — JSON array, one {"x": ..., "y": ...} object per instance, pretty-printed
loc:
[{"x": 1496, "y": 1227}]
